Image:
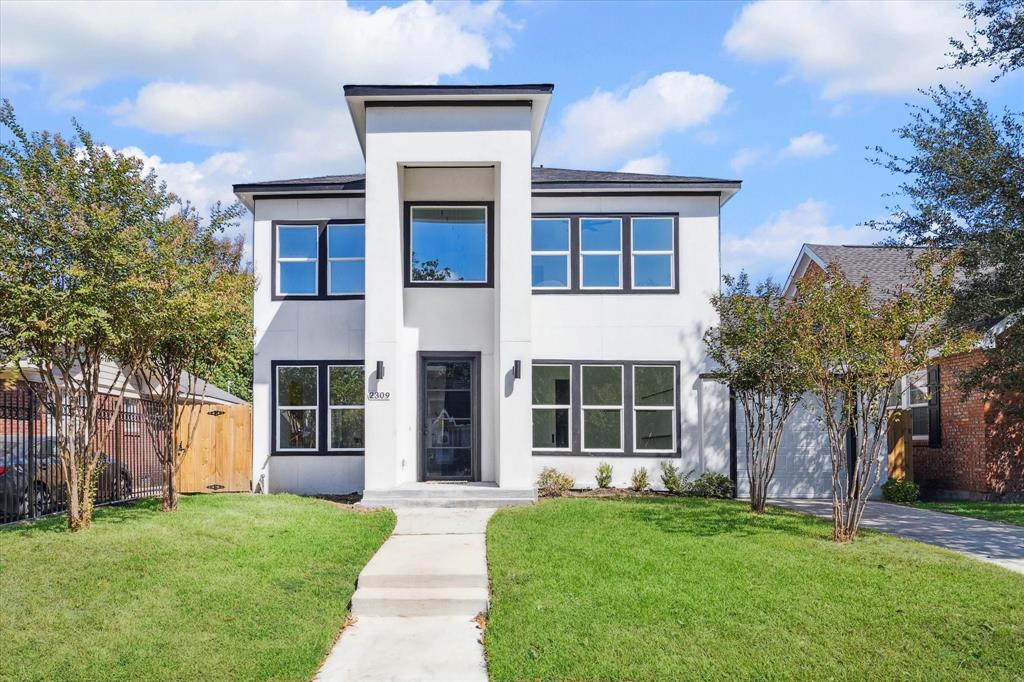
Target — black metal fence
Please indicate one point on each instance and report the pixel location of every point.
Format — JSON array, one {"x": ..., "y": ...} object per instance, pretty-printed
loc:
[{"x": 31, "y": 477}]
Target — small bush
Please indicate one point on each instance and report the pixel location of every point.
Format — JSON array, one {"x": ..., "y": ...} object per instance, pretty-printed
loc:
[
  {"x": 713, "y": 485},
  {"x": 604, "y": 475},
  {"x": 554, "y": 483},
  {"x": 900, "y": 491},
  {"x": 641, "y": 481},
  {"x": 673, "y": 478}
]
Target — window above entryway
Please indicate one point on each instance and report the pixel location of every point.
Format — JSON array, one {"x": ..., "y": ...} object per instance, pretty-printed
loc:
[{"x": 449, "y": 245}]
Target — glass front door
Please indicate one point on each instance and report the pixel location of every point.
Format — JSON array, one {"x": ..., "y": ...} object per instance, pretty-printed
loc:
[{"x": 449, "y": 419}]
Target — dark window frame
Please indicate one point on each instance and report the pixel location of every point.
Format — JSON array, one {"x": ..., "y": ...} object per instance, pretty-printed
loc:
[
  {"x": 407, "y": 245},
  {"x": 321, "y": 261},
  {"x": 626, "y": 265},
  {"x": 628, "y": 409},
  {"x": 323, "y": 408}
]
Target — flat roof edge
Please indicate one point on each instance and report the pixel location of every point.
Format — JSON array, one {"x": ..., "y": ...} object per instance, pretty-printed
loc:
[{"x": 355, "y": 90}]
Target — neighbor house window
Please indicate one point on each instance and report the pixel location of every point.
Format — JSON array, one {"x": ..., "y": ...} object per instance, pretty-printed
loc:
[
  {"x": 297, "y": 267},
  {"x": 550, "y": 253},
  {"x": 654, "y": 407},
  {"x": 552, "y": 400},
  {"x": 916, "y": 395},
  {"x": 346, "y": 412},
  {"x": 297, "y": 407},
  {"x": 601, "y": 388},
  {"x": 653, "y": 251},
  {"x": 600, "y": 253},
  {"x": 346, "y": 259},
  {"x": 448, "y": 245}
]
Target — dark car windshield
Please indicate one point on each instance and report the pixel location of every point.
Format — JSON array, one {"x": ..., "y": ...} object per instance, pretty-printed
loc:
[{"x": 17, "y": 448}]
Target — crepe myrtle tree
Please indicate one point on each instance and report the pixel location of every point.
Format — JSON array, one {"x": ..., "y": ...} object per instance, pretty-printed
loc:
[
  {"x": 855, "y": 349},
  {"x": 755, "y": 347},
  {"x": 74, "y": 225},
  {"x": 196, "y": 320}
]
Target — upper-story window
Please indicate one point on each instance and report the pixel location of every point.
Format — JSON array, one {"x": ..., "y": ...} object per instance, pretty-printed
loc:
[
  {"x": 619, "y": 253},
  {"x": 297, "y": 260},
  {"x": 550, "y": 253},
  {"x": 448, "y": 245},
  {"x": 319, "y": 260}
]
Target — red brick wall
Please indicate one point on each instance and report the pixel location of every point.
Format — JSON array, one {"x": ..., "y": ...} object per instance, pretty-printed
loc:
[{"x": 981, "y": 448}]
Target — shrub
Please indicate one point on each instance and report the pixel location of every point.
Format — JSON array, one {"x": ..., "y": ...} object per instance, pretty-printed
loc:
[
  {"x": 674, "y": 480},
  {"x": 604, "y": 475},
  {"x": 641, "y": 481},
  {"x": 554, "y": 483},
  {"x": 713, "y": 485},
  {"x": 900, "y": 491}
]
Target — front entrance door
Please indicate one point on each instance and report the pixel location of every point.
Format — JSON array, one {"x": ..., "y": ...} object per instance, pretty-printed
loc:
[{"x": 449, "y": 433}]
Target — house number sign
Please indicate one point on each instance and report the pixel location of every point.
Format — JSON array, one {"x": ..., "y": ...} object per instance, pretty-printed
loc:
[{"x": 379, "y": 395}]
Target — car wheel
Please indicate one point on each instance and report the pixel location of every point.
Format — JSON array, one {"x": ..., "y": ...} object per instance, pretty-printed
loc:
[
  {"x": 43, "y": 501},
  {"x": 124, "y": 487}
]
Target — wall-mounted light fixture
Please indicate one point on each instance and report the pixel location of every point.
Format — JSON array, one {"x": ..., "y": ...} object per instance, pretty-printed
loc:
[
  {"x": 380, "y": 370},
  {"x": 517, "y": 370}
]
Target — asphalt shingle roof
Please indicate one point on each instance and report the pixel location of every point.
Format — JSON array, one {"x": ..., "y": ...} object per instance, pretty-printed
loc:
[
  {"x": 542, "y": 177},
  {"x": 886, "y": 268}
]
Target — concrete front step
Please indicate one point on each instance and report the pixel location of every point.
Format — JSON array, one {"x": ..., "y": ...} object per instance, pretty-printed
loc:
[
  {"x": 419, "y": 601},
  {"x": 428, "y": 560},
  {"x": 372, "y": 500}
]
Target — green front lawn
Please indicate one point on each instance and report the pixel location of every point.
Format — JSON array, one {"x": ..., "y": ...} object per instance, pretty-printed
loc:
[
  {"x": 229, "y": 587},
  {"x": 1005, "y": 512},
  {"x": 682, "y": 588}
]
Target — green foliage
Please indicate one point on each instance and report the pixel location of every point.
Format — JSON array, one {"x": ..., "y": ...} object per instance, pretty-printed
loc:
[
  {"x": 855, "y": 350},
  {"x": 711, "y": 484},
  {"x": 997, "y": 38},
  {"x": 553, "y": 483},
  {"x": 901, "y": 491},
  {"x": 604, "y": 475},
  {"x": 76, "y": 223},
  {"x": 962, "y": 189},
  {"x": 640, "y": 481},
  {"x": 674, "y": 480},
  {"x": 756, "y": 347}
]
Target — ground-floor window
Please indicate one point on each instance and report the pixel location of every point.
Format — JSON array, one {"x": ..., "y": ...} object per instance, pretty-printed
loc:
[
  {"x": 583, "y": 407},
  {"x": 318, "y": 407}
]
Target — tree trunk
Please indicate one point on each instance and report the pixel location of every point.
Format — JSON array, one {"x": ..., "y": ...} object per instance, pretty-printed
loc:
[{"x": 170, "y": 501}]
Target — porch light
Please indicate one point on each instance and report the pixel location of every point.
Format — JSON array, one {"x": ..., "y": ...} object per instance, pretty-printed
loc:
[
  {"x": 517, "y": 370},
  {"x": 380, "y": 370}
]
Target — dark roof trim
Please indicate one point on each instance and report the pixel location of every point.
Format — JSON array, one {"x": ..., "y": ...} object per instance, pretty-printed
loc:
[
  {"x": 320, "y": 186},
  {"x": 669, "y": 192},
  {"x": 442, "y": 90},
  {"x": 310, "y": 195},
  {"x": 449, "y": 103}
]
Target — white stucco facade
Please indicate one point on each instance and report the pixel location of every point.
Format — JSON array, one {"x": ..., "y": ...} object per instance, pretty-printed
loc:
[{"x": 476, "y": 150}]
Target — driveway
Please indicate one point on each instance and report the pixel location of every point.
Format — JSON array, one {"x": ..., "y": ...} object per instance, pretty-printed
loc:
[{"x": 997, "y": 543}]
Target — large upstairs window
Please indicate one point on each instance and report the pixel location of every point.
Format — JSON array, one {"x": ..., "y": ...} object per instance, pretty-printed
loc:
[
  {"x": 319, "y": 260},
  {"x": 448, "y": 245},
  {"x": 605, "y": 254}
]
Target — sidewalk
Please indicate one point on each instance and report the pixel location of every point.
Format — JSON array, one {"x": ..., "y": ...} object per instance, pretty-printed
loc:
[{"x": 416, "y": 603}]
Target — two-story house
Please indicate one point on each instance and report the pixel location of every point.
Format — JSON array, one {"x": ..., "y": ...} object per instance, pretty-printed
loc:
[{"x": 458, "y": 315}]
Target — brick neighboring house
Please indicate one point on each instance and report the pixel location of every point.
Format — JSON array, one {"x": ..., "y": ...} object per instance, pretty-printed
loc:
[{"x": 965, "y": 447}]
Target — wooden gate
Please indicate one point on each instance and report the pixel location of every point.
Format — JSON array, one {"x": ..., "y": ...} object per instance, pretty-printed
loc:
[
  {"x": 901, "y": 445},
  {"x": 220, "y": 458}
]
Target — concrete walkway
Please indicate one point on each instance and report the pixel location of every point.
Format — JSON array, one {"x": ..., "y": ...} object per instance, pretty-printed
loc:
[
  {"x": 997, "y": 543},
  {"x": 416, "y": 602}
]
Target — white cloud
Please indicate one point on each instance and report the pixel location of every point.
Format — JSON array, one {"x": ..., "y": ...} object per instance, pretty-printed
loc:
[
  {"x": 655, "y": 165},
  {"x": 747, "y": 157},
  {"x": 809, "y": 145},
  {"x": 772, "y": 247},
  {"x": 261, "y": 79},
  {"x": 888, "y": 47},
  {"x": 614, "y": 126}
]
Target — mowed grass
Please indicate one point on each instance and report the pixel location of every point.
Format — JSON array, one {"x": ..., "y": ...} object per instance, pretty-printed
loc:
[
  {"x": 1004, "y": 512},
  {"x": 229, "y": 587},
  {"x": 681, "y": 588}
]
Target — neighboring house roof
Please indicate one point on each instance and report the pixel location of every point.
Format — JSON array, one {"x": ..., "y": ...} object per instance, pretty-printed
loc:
[
  {"x": 213, "y": 394},
  {"x": 545, "y": 180},
  {"x": 885, "y": 268}
]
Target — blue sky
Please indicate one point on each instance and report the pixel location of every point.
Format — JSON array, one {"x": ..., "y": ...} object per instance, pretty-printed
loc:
[{"x": 784, "y": 96}]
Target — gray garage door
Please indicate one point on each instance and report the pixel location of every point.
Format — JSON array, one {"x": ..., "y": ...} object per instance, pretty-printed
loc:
[{"x": 804, "y": 468}]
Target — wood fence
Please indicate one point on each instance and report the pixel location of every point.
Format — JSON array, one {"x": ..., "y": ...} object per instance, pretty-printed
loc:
[{"x": 220, "y": 458}]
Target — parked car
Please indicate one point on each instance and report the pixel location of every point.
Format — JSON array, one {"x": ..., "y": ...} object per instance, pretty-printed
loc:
[{"x": 36, "y": 487}]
